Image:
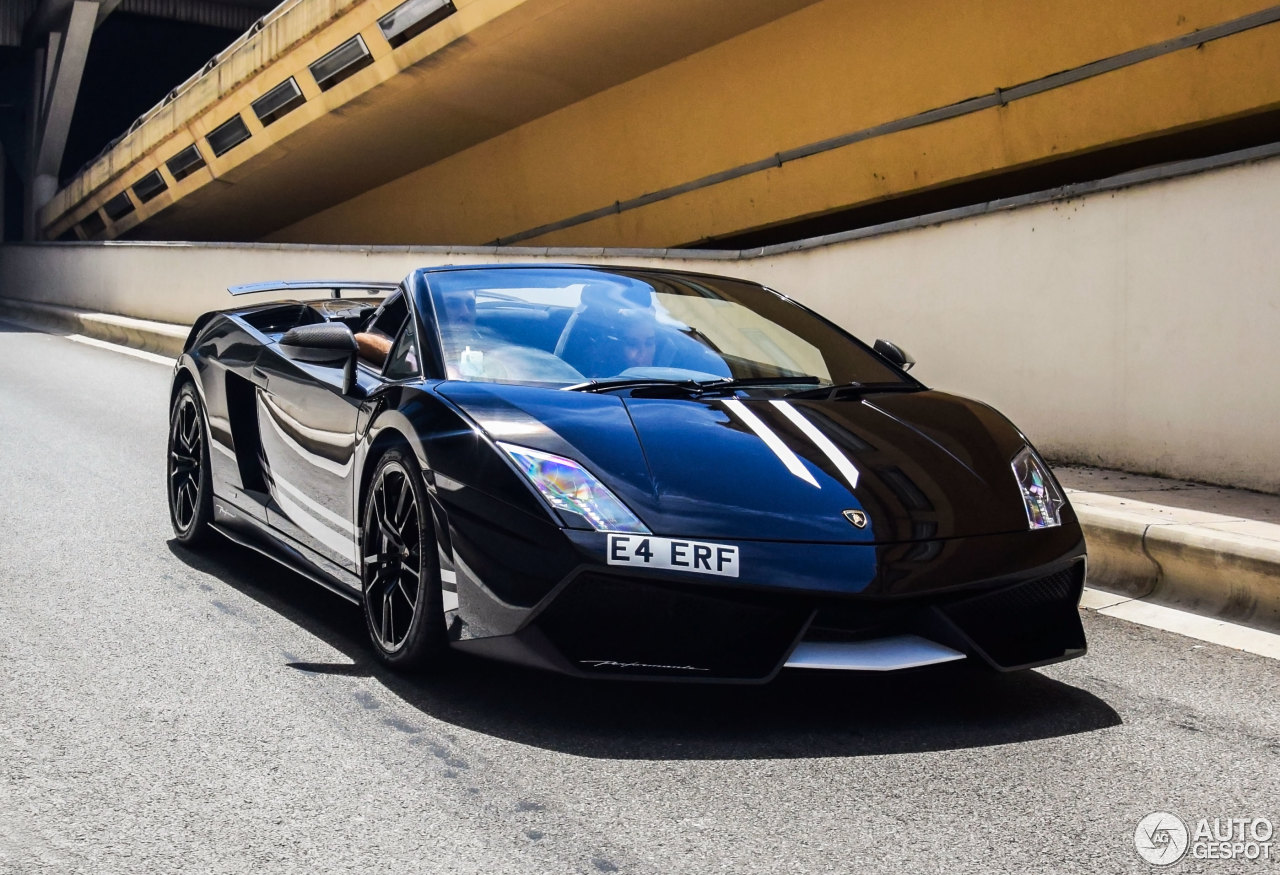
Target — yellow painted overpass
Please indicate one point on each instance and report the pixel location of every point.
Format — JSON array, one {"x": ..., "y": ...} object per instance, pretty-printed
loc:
[{"x": 663, "y": 124}]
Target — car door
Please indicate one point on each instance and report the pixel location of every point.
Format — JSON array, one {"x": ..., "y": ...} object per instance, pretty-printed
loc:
[{"x": 308, "y": 427}]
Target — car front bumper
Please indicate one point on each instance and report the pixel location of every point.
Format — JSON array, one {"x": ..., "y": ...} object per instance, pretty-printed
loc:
[{"x": 1007, "y": 601}]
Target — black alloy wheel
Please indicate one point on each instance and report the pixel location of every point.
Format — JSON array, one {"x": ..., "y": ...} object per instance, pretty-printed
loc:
[
  {"x": 187, "y": 469},
  {"x": 401, "y": 572}
]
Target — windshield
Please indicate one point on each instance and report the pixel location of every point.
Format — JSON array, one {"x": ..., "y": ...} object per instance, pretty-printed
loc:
[{"x": 569, "y": 325}]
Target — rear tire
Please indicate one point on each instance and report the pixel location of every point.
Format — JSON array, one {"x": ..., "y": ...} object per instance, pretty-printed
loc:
[
  {"x": 400, "y": 567},
  {"x": 187, "y": 477}
]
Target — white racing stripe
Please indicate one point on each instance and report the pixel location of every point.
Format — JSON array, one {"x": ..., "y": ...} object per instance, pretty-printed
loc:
[
  {"x": 771, "y": 440},
  {"x": 821, "y": 441}
]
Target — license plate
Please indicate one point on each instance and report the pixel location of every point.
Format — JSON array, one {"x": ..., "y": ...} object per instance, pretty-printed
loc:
[{"x": 672, "y": 554}]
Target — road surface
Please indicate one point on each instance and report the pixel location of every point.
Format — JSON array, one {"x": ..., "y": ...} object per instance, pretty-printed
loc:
[{"x": 163, "y": 710}]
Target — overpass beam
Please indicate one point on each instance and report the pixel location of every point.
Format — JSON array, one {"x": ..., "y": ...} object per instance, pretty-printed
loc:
[{"x": 57, "y": 86}]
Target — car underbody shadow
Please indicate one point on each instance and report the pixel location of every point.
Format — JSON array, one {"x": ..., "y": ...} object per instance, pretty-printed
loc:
[{"x": 800, "y": 714}]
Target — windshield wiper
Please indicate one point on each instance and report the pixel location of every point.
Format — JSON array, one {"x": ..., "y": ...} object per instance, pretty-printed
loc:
[
  {"x": 632, "y": 383},
  {"x": 730, "y": 383},
  {"x": 845, "y": 390},
  {"x": 691, "y": 387}
]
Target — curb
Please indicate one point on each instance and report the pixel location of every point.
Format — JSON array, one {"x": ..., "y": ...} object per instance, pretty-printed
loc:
[
  {"x": 159, "y": 337},
  {"x": 1144, "y": 551},
  {"x": 1226, "y": 567}
]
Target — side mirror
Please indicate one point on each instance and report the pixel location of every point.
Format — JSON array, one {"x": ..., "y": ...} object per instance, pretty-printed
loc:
[
  {"x": 895, "y": 354},
  {"x": 324, "y": 343}
]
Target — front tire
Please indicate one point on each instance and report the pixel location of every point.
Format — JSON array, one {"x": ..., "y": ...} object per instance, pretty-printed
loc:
[
  {"x": 400, "y": 568},
  {"x": 188, "y": 483}
]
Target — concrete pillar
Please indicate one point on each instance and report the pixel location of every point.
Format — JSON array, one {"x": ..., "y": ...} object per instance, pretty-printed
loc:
[
  {"x": 43, "y": 188},
  {"x": 35, "y": 101},
  {"x": 58, "y": 71}
]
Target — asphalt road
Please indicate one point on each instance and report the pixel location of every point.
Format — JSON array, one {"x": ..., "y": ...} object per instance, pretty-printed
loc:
[{"x": 162, "y": 710}]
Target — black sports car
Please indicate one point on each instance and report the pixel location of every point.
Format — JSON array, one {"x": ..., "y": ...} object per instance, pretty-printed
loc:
[{"x": 620, "y": 472}]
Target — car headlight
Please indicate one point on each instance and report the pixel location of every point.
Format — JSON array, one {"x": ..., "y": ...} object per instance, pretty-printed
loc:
[
  {"x": 1040, "y": 493},
  {"x": 572, "y": 489}
]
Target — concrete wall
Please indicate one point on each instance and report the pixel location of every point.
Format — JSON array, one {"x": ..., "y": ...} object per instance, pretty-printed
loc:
[
  {"x": 1137, "y": 329},
  {"x": 832, "y": 68},
  {"x": 661, "y": 123}
]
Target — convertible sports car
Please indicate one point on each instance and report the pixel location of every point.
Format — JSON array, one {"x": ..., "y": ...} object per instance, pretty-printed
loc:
[{"x": 620, "y": 472}]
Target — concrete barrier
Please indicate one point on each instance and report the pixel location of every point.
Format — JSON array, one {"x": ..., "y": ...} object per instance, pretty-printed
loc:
[
  {"x": 1144, "y": 553},
  {"x": 162, "y": 338}
]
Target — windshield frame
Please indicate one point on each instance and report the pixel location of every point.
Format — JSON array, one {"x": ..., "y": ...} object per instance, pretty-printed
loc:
[{"x": 426, "y": 290}]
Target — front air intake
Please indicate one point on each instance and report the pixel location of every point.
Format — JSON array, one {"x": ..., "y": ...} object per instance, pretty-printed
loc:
[
  {"x": 1027, "y": 624},
  {"x": 620, "y": 625}
]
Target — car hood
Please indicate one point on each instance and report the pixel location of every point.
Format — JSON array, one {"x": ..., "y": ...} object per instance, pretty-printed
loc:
[{"x": 919, "y": 466}]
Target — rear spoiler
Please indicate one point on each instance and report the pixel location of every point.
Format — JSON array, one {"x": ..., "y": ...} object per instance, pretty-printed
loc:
[{"x": 334, "y": 287}]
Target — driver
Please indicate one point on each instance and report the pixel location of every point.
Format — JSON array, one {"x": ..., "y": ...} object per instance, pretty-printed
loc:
[
  {"x": 461, "y": 341},
  {"x": 637, "y": 338}
]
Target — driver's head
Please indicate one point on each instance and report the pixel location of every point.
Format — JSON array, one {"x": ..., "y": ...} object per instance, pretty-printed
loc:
[
  {"x": 638, "y": 337},
  {"x": 459, "y": 309}
]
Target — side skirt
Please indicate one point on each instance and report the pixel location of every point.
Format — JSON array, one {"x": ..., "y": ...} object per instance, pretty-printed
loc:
[{"x": 250, "y": 533}]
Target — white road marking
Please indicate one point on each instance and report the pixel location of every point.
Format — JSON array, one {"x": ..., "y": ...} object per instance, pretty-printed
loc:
[
  {"x": 1208, "y": 629},
  {"x": 93, "y": 341},
  {"x": 126, "y": 350}
]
